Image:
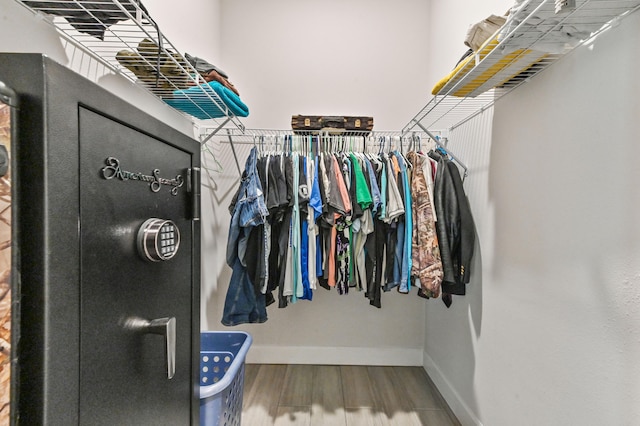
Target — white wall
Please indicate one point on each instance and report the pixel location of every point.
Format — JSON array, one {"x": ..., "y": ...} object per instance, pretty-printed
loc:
[
  {"x": 193, "y": 26},
  {"x": 352, "y": 57},
  {"x": 549, "y": 333},
  {"x": 332, "y": 57}
]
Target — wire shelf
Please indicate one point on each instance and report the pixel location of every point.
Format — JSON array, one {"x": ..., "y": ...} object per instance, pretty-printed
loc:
[
  {"x": 534, "y": 37},
  {"x": 121, "y": 35}
]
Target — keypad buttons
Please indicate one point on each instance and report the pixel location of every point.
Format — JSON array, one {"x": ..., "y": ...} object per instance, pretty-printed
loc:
[{"x": 158, "y": 239}]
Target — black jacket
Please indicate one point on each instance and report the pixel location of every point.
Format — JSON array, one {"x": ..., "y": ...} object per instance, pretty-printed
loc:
[{"x": 455, "y": 227}]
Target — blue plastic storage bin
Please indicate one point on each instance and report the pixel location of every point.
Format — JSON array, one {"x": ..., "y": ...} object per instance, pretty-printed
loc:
[{"x": 222, "y": 356}]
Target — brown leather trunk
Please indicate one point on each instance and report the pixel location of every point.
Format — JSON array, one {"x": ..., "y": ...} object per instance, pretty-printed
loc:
[
  {"x": 358, "y": 123},
  {"x": 331, "y": 123}
]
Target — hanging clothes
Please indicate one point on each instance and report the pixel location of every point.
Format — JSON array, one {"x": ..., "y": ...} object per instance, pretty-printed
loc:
[
  {"x": 342, "y": 229},
  {"x": 245, "y": 303},
  {"x": 455, "y": 228},
  {"x": 427, "y": 265},
  {"x": 346, "y": 220},
  {"x": 363, "y": 225},
  {"x": 375, "y": 246}
]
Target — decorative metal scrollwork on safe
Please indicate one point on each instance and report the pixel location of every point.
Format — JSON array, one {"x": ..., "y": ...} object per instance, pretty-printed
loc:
[{"x": 112, "y": 170}]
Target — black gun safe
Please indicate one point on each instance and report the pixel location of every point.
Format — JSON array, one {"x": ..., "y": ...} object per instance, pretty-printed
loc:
[{"x": 109, "y": 262}]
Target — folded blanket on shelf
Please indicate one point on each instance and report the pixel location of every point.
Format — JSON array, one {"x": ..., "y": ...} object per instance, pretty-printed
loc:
[
  {"x": 210, "y": 72},
  {"x": 479, "y": 33},
  {"x": 463, "y": 67},
  {"x": 198, "y": 101},
  {"x": 497, "y": 71}
]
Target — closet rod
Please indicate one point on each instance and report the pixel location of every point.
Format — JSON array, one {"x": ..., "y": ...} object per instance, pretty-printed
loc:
[
  {"x": 289, "y": 132},
  {"x": 253, "y": 133},
  {"x": 233, "y": 136}
]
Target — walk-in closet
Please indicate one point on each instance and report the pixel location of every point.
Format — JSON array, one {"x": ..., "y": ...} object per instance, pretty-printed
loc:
[{"x": 537, "y": 125}]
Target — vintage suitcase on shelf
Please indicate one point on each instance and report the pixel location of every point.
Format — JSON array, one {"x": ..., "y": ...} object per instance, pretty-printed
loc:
[
  {"x": 330, "y": 124},
  {"x": 358, "y": 124}
]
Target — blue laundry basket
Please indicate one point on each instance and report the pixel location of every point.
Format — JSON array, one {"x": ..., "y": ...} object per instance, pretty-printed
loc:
[{"x": 222, "y": 356}]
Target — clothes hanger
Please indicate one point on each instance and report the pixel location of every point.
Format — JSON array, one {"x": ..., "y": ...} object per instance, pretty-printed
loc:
[
  {"x": 411, "y": 146},
  {"x": 419, "y": 151},
  {"x": 401, "y": 153},
  {"x": 274, "y": 144},
  {"x": 442, "y": 151},
  {"x": 218, "y": 167}
]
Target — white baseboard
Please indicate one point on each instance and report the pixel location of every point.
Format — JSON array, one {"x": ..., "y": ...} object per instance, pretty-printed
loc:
[
  {"x": 262, "y": 354},
  {"x": 461, "y": 410}
]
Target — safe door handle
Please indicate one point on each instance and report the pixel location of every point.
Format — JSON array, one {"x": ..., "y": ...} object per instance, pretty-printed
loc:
[
  {"x": 163, "y": 326},
  {"x": 167, "y": 328}
]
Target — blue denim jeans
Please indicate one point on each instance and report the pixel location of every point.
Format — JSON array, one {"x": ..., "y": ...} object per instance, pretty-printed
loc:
[
  {"x": 243, "y": 304},
  {"x": 250, "y": 209},
  {"x": 250, "y": 197}
]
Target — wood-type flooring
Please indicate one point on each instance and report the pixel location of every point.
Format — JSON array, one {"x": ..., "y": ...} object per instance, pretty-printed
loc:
[{"x": 341, "y": 396}]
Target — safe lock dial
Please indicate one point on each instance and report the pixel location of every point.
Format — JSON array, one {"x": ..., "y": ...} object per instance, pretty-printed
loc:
[{"x": 158, "y": 239}]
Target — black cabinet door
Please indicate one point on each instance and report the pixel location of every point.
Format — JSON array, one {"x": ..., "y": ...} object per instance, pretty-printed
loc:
[{"x": 127, "y": 177}]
